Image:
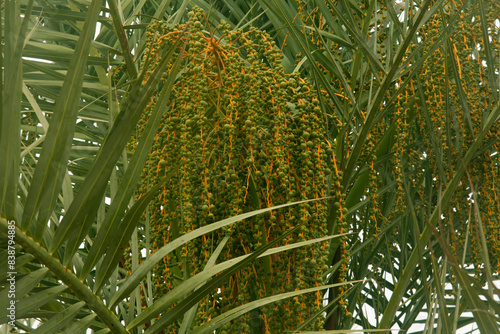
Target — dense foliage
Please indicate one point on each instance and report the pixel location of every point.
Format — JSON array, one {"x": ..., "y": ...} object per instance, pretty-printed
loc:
[{"x": 154, "y": 153}]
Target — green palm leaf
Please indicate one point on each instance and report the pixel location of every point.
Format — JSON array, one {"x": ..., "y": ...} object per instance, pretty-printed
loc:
[{"x": 408, "y": 96}]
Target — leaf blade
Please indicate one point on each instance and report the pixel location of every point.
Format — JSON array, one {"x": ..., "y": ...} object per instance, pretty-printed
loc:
[
  {"x": 80, "y": 215},
  {"x": 50, "y": 169},
  {"x": 131, "y": 281}
]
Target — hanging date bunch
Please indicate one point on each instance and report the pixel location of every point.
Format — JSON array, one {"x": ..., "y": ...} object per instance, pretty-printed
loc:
[
  {"x": 239, "y": 135},
  {"x": 454, "y": 109}
]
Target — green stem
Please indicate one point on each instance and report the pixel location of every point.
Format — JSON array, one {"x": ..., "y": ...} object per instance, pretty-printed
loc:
[{"x": 67, "y": 277}]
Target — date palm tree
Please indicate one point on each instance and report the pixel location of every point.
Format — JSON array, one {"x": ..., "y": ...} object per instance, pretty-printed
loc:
[{"x": 402, "y": 100}]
